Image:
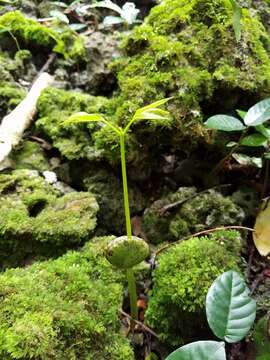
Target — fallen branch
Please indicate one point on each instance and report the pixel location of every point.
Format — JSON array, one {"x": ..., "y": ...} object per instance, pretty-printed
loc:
[{"x": 14, "y": 124}]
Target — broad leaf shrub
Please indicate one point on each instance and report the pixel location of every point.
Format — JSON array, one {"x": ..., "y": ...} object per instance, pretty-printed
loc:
[
  {"x": 63, "y": 309},
  {"x": 181, "y": 281}
]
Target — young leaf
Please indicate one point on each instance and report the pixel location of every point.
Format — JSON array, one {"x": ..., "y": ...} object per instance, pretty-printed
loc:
[
  {"x": 254, "y": 140},
  {"x": 261, "y": 236},
  {"x": 224, "y": 123},
  {"x": 108, "y": 4},
  {"x": 83, "y": 117},
  {"x": 263, "y": 130},
  {"x": 229, "y": 308},
  {"x": 60, "y": 16},
  {"x": 237, "y": 15},
  {"x": 112, "y": 20},
  {"x": 258, "y": 113},
  {"x": 200, "y": 350},
  {"x": 241, "y": 113},
  {"x": 246, "y": 160}
]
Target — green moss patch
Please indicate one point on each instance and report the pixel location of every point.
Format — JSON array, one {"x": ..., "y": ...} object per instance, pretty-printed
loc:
[{"x": 63, "y": 309}]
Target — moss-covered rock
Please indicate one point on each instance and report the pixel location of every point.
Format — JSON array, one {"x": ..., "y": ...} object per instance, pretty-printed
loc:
[
  {"x": 73, "y": 141},
  {"x": 187, "y": 49},
  {"x": 30, "y": 155},
  {"x": 30, "y": 33},
  {"x": 101, "y": 181},
  {"x": 181, "y": 281},
  {"x": 36, "y": 220},
  {"x": 194, "y": 212},
  {"x": 63, "y": 309}
]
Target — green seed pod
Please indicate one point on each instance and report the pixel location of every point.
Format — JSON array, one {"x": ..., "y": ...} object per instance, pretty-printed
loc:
[{"x": 125, "y": 253}]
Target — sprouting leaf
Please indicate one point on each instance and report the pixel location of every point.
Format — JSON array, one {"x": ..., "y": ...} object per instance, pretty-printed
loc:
[
  {"x": 237, "y": 16},
  {"x": 109, "y": 5},
  {"x": 254, "y": 140},
  {"x": 229, "y": 308},
  {"x": 263, "y": 130},
  {"x": 224, "y": 123},
  {"x": 246, "y": 160},
  {"x": 60, "y": 16},
  {"x": 241, "y": 113},
  {"x": 231, "y": 144},
  {"x": 261, "y": 236},
  {"x": 129, "y": 12},
  {"x": 83, "y": 117},
  {"x": 77, "y": 26},
  {"x": 112, "y": 20},
  {"x": 200, "y": 350},
  {"x": 258, "y": 113}
]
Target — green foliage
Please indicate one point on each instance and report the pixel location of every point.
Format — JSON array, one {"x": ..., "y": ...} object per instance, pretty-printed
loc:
[
  {"x": 230, "y": 314},
  {"x": 194, "y": 213},
  {"x": 29, "y": 32},
  {"x": 32, "y": 210},
  {"x": 181, "y": 282},
  {"x": 229, "y": 308},
  {"x": 203, "y": 350},
  {"x": 63, "y": 309},
  {"x": 255, "y": 117}
]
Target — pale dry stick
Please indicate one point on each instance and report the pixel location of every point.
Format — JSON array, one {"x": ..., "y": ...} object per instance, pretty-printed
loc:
[
  {"x": 204, "y": 232},
  {"x": 14, "y": 124}
]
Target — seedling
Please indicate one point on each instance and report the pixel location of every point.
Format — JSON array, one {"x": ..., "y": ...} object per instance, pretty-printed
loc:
[
  {"x": 230, "y": 314},
  {"x": 253, "y": 119},
  {"x": 127, "y": 251}
]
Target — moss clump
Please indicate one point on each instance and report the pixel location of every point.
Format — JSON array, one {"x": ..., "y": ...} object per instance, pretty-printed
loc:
[
  {"x": 36, "y": 220},
  {"x": 63, "y": 309},
  {"x": 181, "y": 281},
  {"x": 30, "y": 156},
  {"x": 187, "y": 49},
  {"x": 73, "y": 141},
  {"x": 261, "y": 338},
  {"x": 194, "y": 213},
  {"x": 31, "y": 33}
]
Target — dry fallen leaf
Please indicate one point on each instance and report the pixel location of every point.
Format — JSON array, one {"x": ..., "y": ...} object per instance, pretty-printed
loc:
[{"x": 261, "y": 236}]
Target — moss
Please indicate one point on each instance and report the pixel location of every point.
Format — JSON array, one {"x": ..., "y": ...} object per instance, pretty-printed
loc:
[
  {"x": 30, "y": 155},
  {"x": 181, "y": 281},
  {"x": 10, "y": 96},
  {"x": 187, "y": 49},
  {"x": 73, "y": 141},
  {"x": 31, "y": 33},
  {"x": 63, "y": 309},
  {"x": 196, "y": 212},
  {"x": 261, "y": 338},
  {"x": 37, "y": 221}
]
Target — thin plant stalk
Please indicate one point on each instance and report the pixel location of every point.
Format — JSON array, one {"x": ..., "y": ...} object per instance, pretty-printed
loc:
[{"x": 130, "y": 272}]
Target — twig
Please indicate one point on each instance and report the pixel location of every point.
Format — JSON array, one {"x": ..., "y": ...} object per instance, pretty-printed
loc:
[
  {"x": 146, "y": 328},
  {"x": 250, "y": 259},
  {"x": 47, "y": 64},
  {"x": 204, "y": 232},
  {"x": 256, "y": 282}
]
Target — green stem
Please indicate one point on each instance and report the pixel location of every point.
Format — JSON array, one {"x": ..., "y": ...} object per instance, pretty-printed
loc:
[
  {"x": 130, "y": 272},
  {"x": 125, "y": 184}
]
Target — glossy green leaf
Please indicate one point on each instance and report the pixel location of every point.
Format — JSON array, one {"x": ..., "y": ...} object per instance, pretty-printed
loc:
[
  {"x": 83, "y": 117},
  {"x": 258, "y": 113},
  {"x": 224, "y": 123},
  {"x": 200, "y": 350},
  {"x": 229, "y": 308},
  {"x": 254, "y": 140}
]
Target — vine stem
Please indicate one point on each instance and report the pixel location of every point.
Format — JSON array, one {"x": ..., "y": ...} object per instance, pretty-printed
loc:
[{"x": 130, "y": 272}]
